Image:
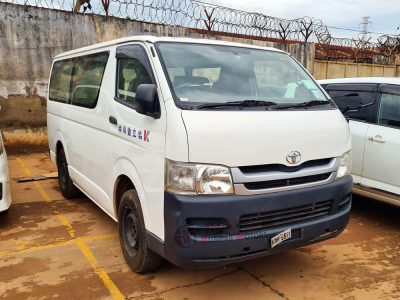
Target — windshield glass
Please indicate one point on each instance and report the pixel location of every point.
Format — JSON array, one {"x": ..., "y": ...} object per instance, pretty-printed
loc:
[{"x": 201, "y": 73}]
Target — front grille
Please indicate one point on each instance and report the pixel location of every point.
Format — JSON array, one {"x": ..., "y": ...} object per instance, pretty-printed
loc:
[
  {"x": 277, "y": 218},
  {"x": 283, "y": 168},
  {"x": 206, "y": 226},
  {"x": 260, "y": 185}
]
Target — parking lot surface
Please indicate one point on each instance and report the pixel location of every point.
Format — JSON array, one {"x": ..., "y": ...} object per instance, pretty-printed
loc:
[{"x": 51, "y": 247}]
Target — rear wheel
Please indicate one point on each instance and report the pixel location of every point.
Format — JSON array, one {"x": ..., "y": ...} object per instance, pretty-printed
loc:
[
  {"x": 132, "y": 235},
  {"x": 68, "y": 189}
]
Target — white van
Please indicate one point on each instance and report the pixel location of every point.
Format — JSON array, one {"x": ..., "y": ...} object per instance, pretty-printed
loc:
[
  {"x": 5, "y": 194},
  {"x": 205, "y": 152},
  {"x": 372, "y": 106}
]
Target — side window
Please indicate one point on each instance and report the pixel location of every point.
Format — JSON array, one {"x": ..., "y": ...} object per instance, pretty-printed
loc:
[
  {"x": 60, "y": 80},
  {"x": 78, "y": 80},
  {"x": 131, "y": 73},
  {"x": 389, "y": 110},
  {"x": 87, "y": 78},
  {"x": 351, "y": 100}
]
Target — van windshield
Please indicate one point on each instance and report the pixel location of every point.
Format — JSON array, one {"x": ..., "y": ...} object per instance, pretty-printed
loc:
[{"x": 215, "y": 74}]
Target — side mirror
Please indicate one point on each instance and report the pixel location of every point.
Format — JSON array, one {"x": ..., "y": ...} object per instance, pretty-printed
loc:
[{"x": 146, "y": 100}]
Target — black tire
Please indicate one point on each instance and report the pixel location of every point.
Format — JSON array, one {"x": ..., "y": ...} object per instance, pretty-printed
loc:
[
  {"x": 132, "y": 235},
  {"x": 4, "y": 212},
  {"x": 68, "y": 189}
]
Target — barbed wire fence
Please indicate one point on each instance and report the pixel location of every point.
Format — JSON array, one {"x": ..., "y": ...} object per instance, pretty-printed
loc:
[{"x": 214, "y": 19}]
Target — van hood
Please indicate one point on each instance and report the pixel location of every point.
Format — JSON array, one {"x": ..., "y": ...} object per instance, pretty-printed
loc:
[{"x": 244, "y": 138}]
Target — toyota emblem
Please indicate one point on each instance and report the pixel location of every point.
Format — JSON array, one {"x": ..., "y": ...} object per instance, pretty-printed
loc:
[{"x": 293, "y": 157}]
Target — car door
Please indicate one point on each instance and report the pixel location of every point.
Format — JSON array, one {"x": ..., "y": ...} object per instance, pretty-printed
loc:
[
  {"x": 84, "y": 122},
  {"x": 382, "y": 147},
  {"x": 138, "y": 140},
  {"x": 349, "y": 97}
]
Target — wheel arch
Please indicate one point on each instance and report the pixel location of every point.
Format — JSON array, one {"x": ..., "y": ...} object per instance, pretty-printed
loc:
[
  {"x": 122, "y": 184},
  {"x": 57, "y": 142},
  {"x": 126, "y": 177}
]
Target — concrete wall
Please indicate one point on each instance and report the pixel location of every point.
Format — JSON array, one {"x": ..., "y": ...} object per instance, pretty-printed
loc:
[
  {"x": 30, "y": 37},
  {"x": 335, "y": 69}
]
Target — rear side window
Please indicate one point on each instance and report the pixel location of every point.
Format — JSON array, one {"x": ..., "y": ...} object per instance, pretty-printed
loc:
[
  {"x": 352, "y": 100},
  {"x": 78, "y": 80},
  {"x": 87, "y": 78},
  {"x": 389, "y": 110},
  {"x": 60, "y": 81},
  {"x": 131, "y": 74}
]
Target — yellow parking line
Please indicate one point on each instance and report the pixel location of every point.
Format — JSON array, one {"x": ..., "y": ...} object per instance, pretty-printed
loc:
[
  {"x": 99, "y": 237},
  {"x": 37, "y": 185},
  {"x": 110, "y": 285},
  {"x": 99, "y": 270},
  {"x": 59, "y": 244},
  {"x": 37, "y": 248},
  {"x": 42, "y": 192},
  {"x": 24, "y": 168},
  {"x": 67, "y": 225}
]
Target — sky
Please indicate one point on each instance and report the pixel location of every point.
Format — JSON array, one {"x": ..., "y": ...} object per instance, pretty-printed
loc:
[{"x": 384, "y": 14}]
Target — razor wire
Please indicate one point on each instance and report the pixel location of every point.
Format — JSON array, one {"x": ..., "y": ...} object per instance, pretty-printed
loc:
[{"x": 215, "y": 19}]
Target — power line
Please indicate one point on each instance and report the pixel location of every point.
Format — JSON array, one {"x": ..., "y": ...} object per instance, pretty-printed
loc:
[
  {"x": 334, "y": 27},
  {"x": 358, "y": 30}
]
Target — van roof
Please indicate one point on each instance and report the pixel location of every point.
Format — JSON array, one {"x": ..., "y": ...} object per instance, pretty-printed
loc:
[
  {"x": 377, "y": 80},
  {"x": 154, "y": 39}
]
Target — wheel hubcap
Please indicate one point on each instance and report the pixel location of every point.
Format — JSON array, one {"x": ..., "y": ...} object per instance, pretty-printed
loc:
[{"x": 130, "y": 232}]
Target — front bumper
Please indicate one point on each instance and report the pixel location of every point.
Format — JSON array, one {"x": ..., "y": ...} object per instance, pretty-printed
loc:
[
  {"x": 184, "y": 248},
  {"x": 5, "y": 195}
]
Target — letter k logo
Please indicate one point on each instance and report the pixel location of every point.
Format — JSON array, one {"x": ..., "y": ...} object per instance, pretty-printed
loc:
[{"x": 146, "y": 136}]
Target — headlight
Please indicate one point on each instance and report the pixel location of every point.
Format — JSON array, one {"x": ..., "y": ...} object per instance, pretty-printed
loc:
[
  {"x": 190, "y": 179},
  {"x": 344, "y": 166}
]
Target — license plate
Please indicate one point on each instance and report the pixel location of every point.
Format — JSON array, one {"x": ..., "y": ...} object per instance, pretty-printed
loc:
[{"x": 280, "y": 237}]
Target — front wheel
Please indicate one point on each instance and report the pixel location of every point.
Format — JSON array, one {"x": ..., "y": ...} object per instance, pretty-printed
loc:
[{"x": 132, "y": 235}]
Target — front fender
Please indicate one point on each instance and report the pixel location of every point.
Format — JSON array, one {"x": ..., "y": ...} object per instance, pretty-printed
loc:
[{"x": 123, "y": 166}]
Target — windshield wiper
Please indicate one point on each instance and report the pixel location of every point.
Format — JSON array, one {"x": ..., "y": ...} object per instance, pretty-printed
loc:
[
  {"x": 304, "y": 104},
  {"x": 243, "y": 103}
]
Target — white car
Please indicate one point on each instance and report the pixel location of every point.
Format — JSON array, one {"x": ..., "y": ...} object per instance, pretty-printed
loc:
[
  {"x": 372, "y": 106},
  {"x": 5, "y": 195},
  {"x": 205, "y": 152}
]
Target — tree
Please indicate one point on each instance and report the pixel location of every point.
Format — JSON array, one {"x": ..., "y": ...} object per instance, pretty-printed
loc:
[
  {"x": 106, "y": 5},
  {"x": 84, "y": 3}
]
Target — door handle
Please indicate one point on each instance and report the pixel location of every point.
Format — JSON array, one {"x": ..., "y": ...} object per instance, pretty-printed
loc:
[
  {"x": 113, "y": 120},
  {"x": 376, "y": 139}
]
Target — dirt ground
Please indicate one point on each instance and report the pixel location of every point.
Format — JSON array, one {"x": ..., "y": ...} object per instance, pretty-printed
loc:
[{"x": 56, "y": 248}]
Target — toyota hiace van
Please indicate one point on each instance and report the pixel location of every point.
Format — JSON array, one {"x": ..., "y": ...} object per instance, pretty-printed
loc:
[{"x": 205, "y": 152}]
